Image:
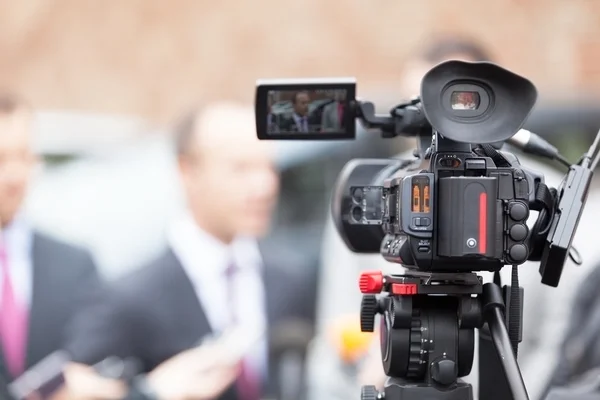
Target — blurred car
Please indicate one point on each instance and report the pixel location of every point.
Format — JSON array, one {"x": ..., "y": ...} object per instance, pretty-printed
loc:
[{"x": 285, "y": 108}]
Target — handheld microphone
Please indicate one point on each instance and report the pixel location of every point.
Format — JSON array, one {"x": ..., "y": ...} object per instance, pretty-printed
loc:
[
  {"x": 46, "y": 377},
  {"x": 118, "y": 368},
  {"x": 348, "y": 338}
]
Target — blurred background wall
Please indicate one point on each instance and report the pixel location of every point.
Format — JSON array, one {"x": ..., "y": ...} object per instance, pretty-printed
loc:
[
  {"x": 151, "y": 58},
  {"x": 107, "y": 77}
]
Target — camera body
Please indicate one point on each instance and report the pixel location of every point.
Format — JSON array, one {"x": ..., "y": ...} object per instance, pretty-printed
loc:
[
  {"x": 466, "y": 208},
  {"x": 462, "y": 204},
  {"x": 463, "y": 214}
]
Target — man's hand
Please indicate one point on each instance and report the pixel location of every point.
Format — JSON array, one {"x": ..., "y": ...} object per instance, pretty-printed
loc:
[
  {"x": 195, "y": 374},
  {"x": 83, "y": 383}
]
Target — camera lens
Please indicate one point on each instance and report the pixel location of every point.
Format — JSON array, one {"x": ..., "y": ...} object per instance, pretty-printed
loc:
[{"x": 357, "y": 213}]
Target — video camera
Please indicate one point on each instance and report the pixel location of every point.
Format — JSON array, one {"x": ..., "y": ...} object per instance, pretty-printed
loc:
[{"x": 459, "y": 207}]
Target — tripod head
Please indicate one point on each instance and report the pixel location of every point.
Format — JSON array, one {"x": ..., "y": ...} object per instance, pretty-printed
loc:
[
  {"x": 423, "y": 315},
  {"x": 427, "y": 332}
]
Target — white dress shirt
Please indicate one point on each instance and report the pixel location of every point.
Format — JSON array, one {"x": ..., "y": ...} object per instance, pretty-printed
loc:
[
  {"x": 205, "y": 259},
  {"x": 301, "y": 123},
  {"x": 18, "y": 238}
]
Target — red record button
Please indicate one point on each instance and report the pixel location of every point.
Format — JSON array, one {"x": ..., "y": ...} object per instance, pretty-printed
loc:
[{"x": 371, "y": 282}]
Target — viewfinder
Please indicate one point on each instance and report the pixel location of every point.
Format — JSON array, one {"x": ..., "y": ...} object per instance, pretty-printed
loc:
[{"x": 465, "y": 100}]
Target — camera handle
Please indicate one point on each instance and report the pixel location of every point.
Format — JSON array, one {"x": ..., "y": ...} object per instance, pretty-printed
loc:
[{"x": 406, "y": 119}]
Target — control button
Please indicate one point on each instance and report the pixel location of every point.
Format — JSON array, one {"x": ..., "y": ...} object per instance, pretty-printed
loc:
[
  {"x": 423, "y": 249},
  {"x": 518, "y": 232},
  {"x": 369, "y": 393},
  {"x": 475, "y": 164},
  {"x": 444, "y": 372},
  {"x": 425, "y": 221},
  {"x": 417, "y": 221},
  {"x": 518, "y": 253},
  {"x": 518, "y": 211},
  {"x": 404, "y": 289},
  {"x": 450, "y": 162},
  {"x": 371, "y": 282}
]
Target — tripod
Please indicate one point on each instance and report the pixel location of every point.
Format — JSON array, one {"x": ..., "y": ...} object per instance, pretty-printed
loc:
[{"x": 427, "y": 333}]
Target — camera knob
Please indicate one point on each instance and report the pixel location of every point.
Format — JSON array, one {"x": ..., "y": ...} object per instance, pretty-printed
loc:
[
  {"x": 371, "y": 282},
  {"x": 368, "y": 310},
  {"x": 518, "y": 211},
  {"x": 518, "y": 253},
  {"x": 369, "y": 393},
  {"x": 444, "y": 371},
  {"x": 518, "y": 232}
]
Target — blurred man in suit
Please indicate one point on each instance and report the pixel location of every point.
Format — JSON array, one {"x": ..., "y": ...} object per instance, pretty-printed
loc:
[
  {"x": 299, "y": 121},
  {"x": 42, "y": 281},
  {"x": 213, "y": 275},
  {"x": 546, "y": 309},
  {"x": 332, "y": 119},
  {"x": 272, "y": 119}
]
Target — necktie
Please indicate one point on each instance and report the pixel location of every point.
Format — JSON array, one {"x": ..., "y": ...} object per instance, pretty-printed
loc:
[
  {"x": 13, "y": 321},
  {"x": 303, "y": 124},
  {"x": 341, "y": 114},
  {"x": 248, "y": 383}
]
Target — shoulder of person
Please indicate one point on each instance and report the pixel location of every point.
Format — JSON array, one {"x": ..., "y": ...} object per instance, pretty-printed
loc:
[
  {"x": 74, "y": 259},
  {"x": 283, "y": 251},
  {"x": 43, "y": 241},
  {"x": 150, "y": 281}
]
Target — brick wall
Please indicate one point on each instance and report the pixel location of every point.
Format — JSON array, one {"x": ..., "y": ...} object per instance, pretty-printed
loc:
[{"x": 152, "y": 58}]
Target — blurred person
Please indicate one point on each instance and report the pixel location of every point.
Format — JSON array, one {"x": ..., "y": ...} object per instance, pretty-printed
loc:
[
  {"x": 213, "y": 275},
  {"x": 438, "y": 50},
  {"x": 43, "y": 282},
  {"x": 546, "y": 309},
  {"x": 183, "y": 376},
  {"x": 299, "y": 121},
  {"x": 579, "y": 357},
  {"x": 272, "y": 119},
  {"x": 333, "y": 114}
]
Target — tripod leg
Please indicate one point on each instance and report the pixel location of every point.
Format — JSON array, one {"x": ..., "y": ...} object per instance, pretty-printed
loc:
[{"x": 493, "y": 306}]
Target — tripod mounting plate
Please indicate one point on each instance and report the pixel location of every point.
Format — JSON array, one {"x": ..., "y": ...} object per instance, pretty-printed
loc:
[{"x": 421, "y": 283}]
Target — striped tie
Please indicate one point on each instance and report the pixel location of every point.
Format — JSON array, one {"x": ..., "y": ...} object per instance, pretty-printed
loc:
[{"x": 13, "y": 321}]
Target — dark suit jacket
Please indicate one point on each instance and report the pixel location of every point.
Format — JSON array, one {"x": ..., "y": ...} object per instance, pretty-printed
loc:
[
  {"x": 63, "y": 277},
  {"x": 154, "y": 314},
  {"x": 289, "y": 124}
]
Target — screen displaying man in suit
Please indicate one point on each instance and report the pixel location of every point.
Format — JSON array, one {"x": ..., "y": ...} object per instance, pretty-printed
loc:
[
  {"x": 299, "y": 121},
  {"x": 42, "y": 281},
  {"x": 214, "y": 274}
]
